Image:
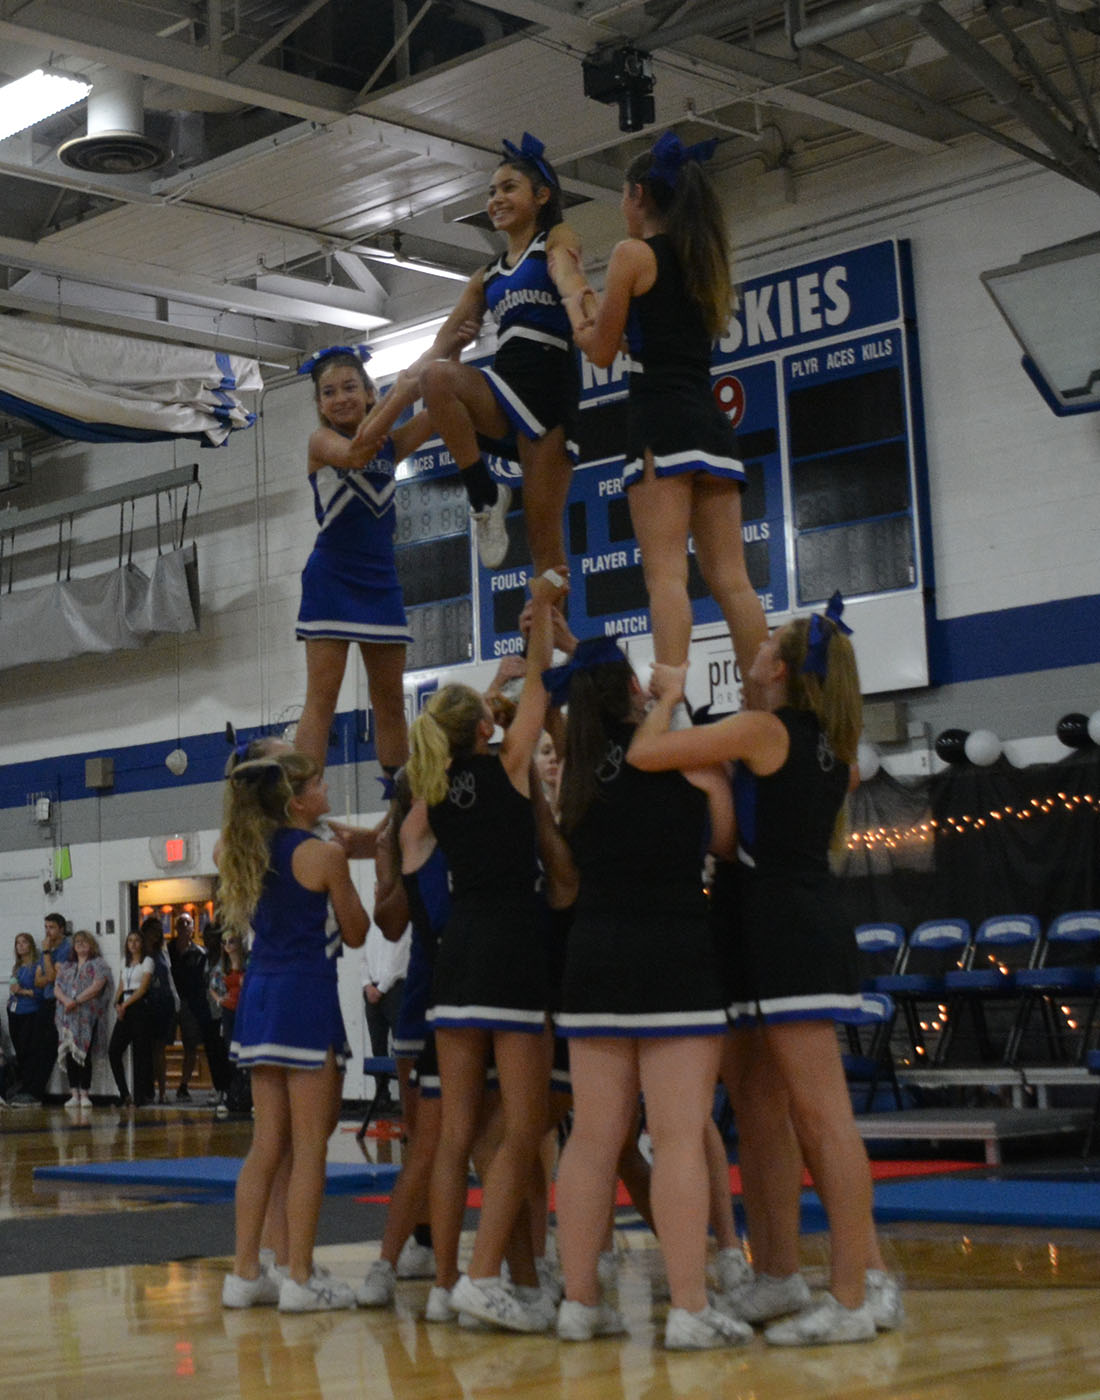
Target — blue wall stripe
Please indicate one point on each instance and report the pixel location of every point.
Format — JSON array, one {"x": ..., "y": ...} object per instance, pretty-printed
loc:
[
  {"x": 141, "y": 768},
  {"x": 1040, "y": 637},
  {"x": 981, "y": 646}
]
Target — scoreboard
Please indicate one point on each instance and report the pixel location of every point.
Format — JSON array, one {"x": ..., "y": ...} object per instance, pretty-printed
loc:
[{"x": 818, "y": 373}]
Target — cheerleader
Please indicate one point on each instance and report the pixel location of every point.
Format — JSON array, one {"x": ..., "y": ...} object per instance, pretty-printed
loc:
[
  {"x": 490, "y": 983},
  {"x": 525, "y": 407},
  {"x": 641, "y": 1003},
  {"x": 278, "y": 878},
  {"x": 411, "y": 889},
  {"x": 350, "y": 591},
  {"x": 792, "y": 965},
  {"x": 668, "y": 289}
]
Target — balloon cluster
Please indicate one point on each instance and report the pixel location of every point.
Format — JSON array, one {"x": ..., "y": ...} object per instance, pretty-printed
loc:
[{"x": 981, "y": 747}]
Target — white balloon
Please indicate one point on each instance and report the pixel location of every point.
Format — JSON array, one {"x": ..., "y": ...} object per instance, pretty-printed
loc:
[
  {"x": 1094, "y": 726},
  {"x": 982, "y": 747},
  {"x": 176, "y": 762},
  {"x": 868, "y": 760}
]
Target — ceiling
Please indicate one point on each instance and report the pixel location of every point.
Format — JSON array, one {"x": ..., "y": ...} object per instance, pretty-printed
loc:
[{"x": 329, "y": 158}]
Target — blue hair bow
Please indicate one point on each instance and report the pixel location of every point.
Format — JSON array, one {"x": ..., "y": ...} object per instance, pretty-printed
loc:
[
  {"x": 669, "y": 156},
  {"x": 596, "y": 651},
  {"x": 530, "y": 149},
  {"x": 817, "y": 649},
  {"x": 361, "y": 352},
  {"x": 389, "y": 785}
]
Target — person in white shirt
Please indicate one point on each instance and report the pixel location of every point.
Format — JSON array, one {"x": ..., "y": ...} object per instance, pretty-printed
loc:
[{"x": 384, "y": 968}]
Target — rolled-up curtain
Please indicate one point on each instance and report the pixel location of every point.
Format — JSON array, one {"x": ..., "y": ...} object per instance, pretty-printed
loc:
[
  {"x": 110, "y": 612},
  {"x": 97, "y": 387}
]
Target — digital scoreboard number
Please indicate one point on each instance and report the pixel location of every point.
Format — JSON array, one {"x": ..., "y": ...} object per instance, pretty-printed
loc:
[{"x": 818, "y": 376}]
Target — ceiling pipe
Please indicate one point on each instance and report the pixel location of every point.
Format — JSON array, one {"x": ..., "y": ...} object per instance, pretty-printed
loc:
[
  {"x": 846, "y": 21},
  {"x": 1079, "y": 162}
]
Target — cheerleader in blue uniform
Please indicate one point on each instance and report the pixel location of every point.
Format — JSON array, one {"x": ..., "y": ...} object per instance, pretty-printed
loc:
[
  {"x": 791, "y": 958},
  {"x": 525, "y": 407},
  {"x": 350, "y": 591},
  {"x": 278, "y": 878},
  {"x": 490, "y": 985},
  {"x": 641, "y": 1002},
  {"x": 668, "y": 288}
]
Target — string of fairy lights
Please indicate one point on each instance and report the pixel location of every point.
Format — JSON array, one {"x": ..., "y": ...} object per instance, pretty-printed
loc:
[{"x": 894, "y": 837}]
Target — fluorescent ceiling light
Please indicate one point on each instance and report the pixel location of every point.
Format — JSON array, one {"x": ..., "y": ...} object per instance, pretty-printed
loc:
[
  {"x": 431, "y": 269},
  {"x": 37, "y": 96},
  {"x": 391, "y": 359}
]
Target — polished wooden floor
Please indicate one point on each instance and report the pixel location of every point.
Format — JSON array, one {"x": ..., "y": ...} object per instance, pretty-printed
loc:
[{"x": 993, "y": 1314}]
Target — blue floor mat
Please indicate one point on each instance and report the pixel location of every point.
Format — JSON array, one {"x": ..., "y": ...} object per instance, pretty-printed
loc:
[
  {"x": 977, "y": 1201},
  {"x": 212, "y": 1174}
]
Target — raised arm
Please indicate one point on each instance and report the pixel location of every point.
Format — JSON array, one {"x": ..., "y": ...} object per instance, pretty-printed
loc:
[
  {"x": 630, "y": 273},
  {"x": 563, "y": 261},
  {"x": 562, "y": 879},
  {"x": 391, "y": 906},
  {"x": 455, "y": 332},
  {"x": 754, "y": 736},
  {"x": 416, "y": 838},
  {"x": 523, "y": 733}
]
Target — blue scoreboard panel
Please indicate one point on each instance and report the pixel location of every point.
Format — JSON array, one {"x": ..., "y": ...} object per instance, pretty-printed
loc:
[{"x": 818, "y": 374}]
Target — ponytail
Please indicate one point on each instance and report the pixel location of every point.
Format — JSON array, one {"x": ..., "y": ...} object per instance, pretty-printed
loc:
[
  {"x": 256, "y": 803},
  {"x": 696, "y": 227},
  {"x": 447, "y": 725},
  {"x": 834, "y": 697},
  {"x": 598, "y": 697}
]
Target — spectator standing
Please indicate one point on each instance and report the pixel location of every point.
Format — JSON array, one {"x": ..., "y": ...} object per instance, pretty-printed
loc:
[
  {"x": 24, "y": 1000},
  {"x": 384, "y": 967},
  {"x": 56, "y": 948}
]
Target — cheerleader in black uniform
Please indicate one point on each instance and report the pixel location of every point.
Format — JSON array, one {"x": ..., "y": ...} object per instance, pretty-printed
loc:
[
  {"x": 525, "y": 407},
  {"x": 668, "y": 289},
  {"x": 641, "y": 1001},
  {"x": 490, "y": 984},
  {"x": 792, "y": 966}
]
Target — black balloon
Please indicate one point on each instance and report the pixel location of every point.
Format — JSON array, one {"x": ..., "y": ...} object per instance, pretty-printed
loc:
[
  {"x": 1073, "y": 730},
  {"x": 951, "y": 745}
]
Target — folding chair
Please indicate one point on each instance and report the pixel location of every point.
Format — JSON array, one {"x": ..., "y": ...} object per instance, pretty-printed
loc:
[
  {"x": 931, "y": 950},
  {"x": 1064, "y": 976},
  {"x": 1092, "y": 1060},
  {"x": 1002, "y": 947},
  {"x": 872, "y": 1063},
  {"x": 881, "y": 952},
  {"x": 381, "y": 1068}
]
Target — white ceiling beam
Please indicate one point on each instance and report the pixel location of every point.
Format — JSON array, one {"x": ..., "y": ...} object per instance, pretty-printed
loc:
[
  {"x": 267, "y": 352},
  {"x": 753, "y": 76},
  {"x": 126, "y": 275},
  {"x": 353, "y": 268},
  {"x": 358, "y": 309}
]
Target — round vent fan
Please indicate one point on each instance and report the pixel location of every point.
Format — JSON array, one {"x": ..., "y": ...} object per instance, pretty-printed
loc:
[
  {"x": 115, "y": 143},
  {"x": 112, "y": 153}
]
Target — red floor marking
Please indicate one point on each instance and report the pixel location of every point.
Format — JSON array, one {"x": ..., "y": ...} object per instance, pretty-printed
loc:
[{"x": 880, "y": 1171}]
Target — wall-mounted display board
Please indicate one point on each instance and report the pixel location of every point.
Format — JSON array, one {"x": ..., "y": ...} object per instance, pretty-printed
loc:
[{"x": 818, "y": 373}]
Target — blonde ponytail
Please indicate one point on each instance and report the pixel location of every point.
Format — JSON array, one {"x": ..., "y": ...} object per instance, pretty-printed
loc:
[
  {"x": 256, "y": 802},
  {"x": 447, "y": 725},
  {"x": 835, "y": 698}
]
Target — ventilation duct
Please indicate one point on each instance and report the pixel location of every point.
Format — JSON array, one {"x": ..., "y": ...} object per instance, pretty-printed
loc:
[{"x": 115, "y": 143}]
